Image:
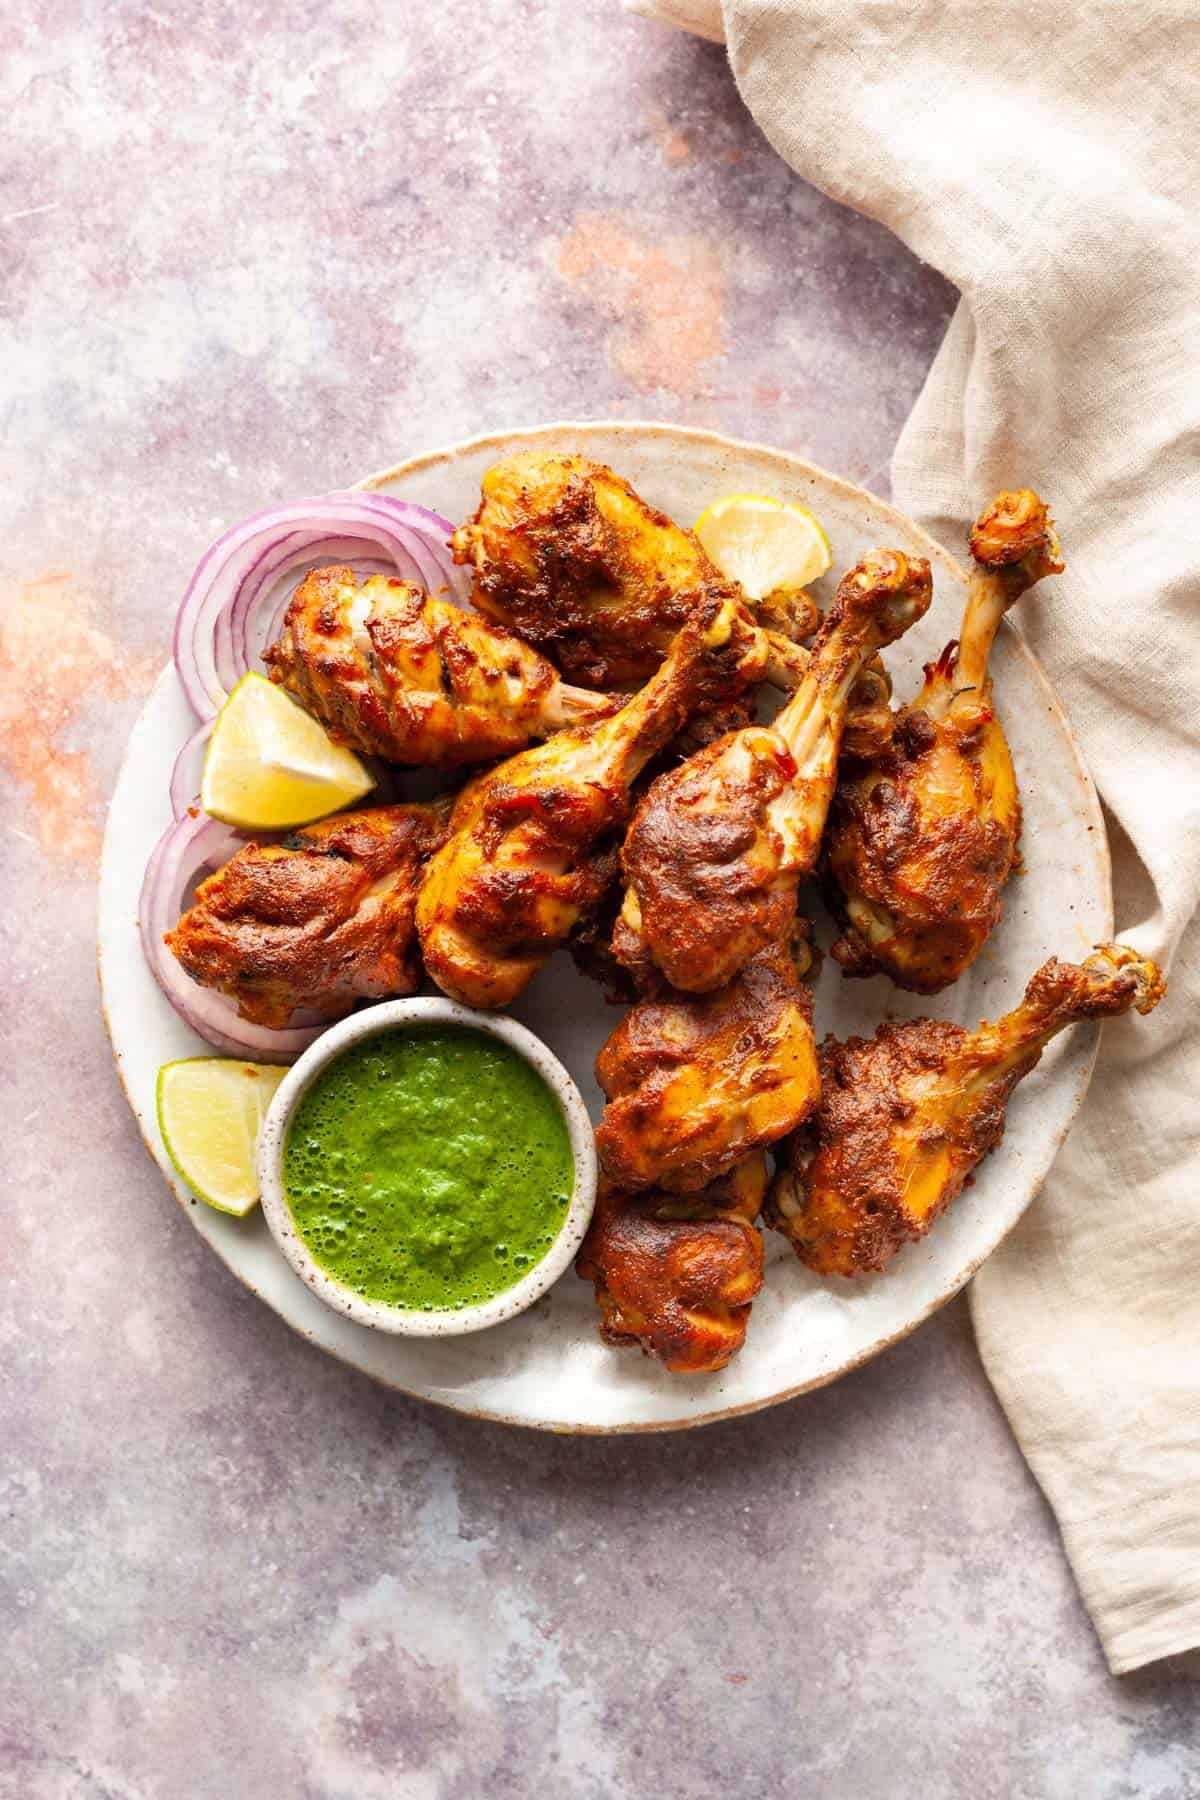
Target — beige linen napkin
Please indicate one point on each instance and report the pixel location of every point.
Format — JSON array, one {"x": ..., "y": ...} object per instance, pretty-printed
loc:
[{"x": 1044, "y": 158}]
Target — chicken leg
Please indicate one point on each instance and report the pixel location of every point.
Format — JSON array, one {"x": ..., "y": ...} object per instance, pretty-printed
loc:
[
  {"x": 718, "y": 846},
  {"x": 696, "y": 1082},
  {"x": 922, "y": 839},
  {"x": 393, "y": 672},
  {"x": 678, "y": 1276},
  {"x": 567, "y": 555},
  {"x": 319, "y": 920},
  {"x": 905, "y": 1116},
  {"x": 524, "y": 861}
]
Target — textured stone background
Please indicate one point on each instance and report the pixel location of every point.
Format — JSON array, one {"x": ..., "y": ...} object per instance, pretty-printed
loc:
[{"x": 249, "y": 251}]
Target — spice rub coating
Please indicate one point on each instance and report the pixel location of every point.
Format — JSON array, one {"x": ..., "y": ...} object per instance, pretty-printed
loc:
[
  {"x": 395, "y": 672},
  {"x": 565, "y": 553},
  {"x": 905, "y": 1116},
  {"x": 529, "y": 851},
  {"x": 922, "y": 835},
  {"x": 696, "y": 1082},
  {"x": 678, "y": 1276},
  {"x": 317, "y": 921},
  {"x": 719, "y": 845}
]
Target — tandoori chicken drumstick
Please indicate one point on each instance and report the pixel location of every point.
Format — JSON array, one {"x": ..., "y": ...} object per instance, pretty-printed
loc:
[
  {"x": 923, "y": 837},
  {"x": 568, "y": 555},
  {"x": 678, "y": 1275},
  {"x": 394, "y": 672},
  {"x": 695, "y": 1082},
  {"x": 906, "y": 1115},
  {"x": 718, "y": 846},
  {"x": 869, "y": 719},
  {"x": 317, "y": 921},
  {"x": 520, "y": 867}
]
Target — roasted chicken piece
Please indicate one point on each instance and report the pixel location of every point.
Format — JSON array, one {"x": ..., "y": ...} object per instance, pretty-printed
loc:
[
  {"x": 316, "y": 921},
  {"x": 869, "y": 720},
  {"x": 696, "y": 1082},
  {"x": 590, "y": 947},
  {"x": 676, "y": 1275},
  {"x": 530, "y": 848},
  {"x": 394, "y": 672},
  {"x": 906, "y": 1115},
  {"x": 565, "y": 553},
  {"x": 922, "y": 839},
  {"x": 718, "y": 846}
]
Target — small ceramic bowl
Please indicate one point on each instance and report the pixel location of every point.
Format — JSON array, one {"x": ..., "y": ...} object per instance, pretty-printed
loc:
[{"x": 395, "y": 1015}]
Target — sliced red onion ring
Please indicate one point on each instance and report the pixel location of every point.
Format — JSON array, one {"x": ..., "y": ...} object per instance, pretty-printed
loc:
[
  {"x": 235, "y": 601},
  {"x": 189, "y": 850},
  {"x": 189, "y": 766}
]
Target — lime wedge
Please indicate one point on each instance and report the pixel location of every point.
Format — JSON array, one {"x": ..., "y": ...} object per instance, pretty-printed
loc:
[
  {"x": 764, "y": 544},
  {"x": 209, "y": 1112},
  {"x": 270, "y": 766}
]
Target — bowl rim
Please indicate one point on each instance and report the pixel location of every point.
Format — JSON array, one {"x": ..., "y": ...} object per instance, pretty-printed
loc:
[{"x": 393, "y": 1015}]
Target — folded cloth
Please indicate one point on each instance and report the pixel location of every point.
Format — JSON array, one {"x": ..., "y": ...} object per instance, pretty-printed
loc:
[
  {"x": 701, "y": 17},
  {"x": 1043, "y": 157}
]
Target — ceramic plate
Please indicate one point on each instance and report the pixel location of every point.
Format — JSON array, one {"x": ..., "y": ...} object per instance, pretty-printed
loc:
[{"x": 549, "y": 1368}]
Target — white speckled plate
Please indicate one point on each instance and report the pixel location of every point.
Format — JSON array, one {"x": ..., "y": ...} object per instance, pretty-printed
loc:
[{"x": 549, "y": 1368}]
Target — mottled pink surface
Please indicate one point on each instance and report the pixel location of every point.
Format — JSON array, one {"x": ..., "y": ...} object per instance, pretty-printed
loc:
[{"x": 247, "y": 252}]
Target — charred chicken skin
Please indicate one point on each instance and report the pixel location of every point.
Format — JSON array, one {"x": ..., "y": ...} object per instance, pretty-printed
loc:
[
  {"x": 527, "y": 855},
  {"x": 695, "y": 1083},
  {"x": 394, "y": 672},
  {"x": 676, "y": 1275},
  {"x": 905, "y": 1116},
  {"x": 718, "y": 846},
  {"x": 923, "y": 837},
  {"x": 317, "y": 921},
  {"x": 567, "y": 555}
]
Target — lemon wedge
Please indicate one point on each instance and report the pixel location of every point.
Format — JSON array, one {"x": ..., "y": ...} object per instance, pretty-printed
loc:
[
  {"x": 209, "y": 1113},
  {"x": 270, "y": 766},
  {"x": 764, "y": 544}
]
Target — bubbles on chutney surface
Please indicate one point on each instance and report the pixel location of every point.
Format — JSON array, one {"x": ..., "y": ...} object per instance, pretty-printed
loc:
[{"x": 428, "y": 1168}]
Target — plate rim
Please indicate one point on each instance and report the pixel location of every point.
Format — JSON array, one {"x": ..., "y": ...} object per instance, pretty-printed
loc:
[{"x": 640, "y": 429}]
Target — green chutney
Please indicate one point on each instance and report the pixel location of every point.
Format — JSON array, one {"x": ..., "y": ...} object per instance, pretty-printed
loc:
[{"x": 428, "y": 1168}]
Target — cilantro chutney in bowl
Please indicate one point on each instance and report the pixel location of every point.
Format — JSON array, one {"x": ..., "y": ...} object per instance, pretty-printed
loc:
[{"x": 426, "y": 1169}]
